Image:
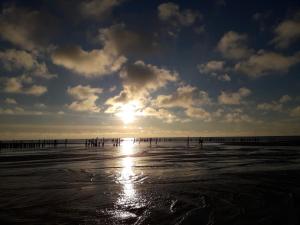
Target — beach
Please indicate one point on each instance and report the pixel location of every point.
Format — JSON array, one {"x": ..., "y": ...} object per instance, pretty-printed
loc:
[{"x": 165, "y": 183}]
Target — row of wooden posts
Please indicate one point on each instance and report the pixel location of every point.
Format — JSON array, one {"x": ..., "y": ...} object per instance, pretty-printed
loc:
[{"x": 96, "y": 142}]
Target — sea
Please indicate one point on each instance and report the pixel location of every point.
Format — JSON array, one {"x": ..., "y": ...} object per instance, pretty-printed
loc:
[{"x": 168, "y": 182}]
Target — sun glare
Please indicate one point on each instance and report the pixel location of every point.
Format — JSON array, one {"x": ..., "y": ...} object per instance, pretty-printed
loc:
[{"x": 128, "y": 113}]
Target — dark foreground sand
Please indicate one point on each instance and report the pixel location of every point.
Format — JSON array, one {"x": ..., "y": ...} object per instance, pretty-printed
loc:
[{"x": 165, "y": 184}]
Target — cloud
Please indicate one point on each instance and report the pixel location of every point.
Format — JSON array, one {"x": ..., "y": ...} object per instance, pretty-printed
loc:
[
  {"x": 233, "y": 46},
  {"x": 23, "y": 85},
  {"x": 263, "y": 63},
  {"x": 211, "y": 67},
  {"x": 215, "y": 69},
  {"x": 98, "y": 8},
  {"x": 60, "y": 112},
  {"x": 224, "y": 77},
  {"x": 40, "y": 105},
  {"x": 36, "y": 90},
  {"x": 237, "y": 116},
  {"x": 139, "y": 80},
  {"x": 117, "y": 42},
  {"x": 198, "y": 113},
  {"x": 188, "y": 98},
  {"x": 284, "y": 99},
  {"x": 287, "y": 32},
  {"x": 274, "y": 105},
  {"x": 162, "y": 114},
  {"x": 233, "y": 98},
  {"x": 30, "y": 30},
  {"x": 184, "y": 97},
  {"x": 86, "y": 98},
  {"x": 19, "y": 111},
  {"x": 112, "y": 88},
  {"x": 14, "y": 60},
  {"x": 171, "y": 13},
  {"x": 10, "y": 101},
  {"x": 97, "y": 62},
  {"x": 12, "y": 111},
  {"x": 140, "y": 77},
  {"x": 295, "y": 112},
  {"x": 124, "y": 41}
]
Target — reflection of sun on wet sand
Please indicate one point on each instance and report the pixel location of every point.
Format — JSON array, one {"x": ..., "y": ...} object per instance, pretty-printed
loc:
[
  {"x": 127, "y": 197},
  {"x": 127, "y": 177}
]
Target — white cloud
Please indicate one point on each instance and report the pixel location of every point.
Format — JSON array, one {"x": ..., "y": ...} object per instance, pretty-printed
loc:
[
  {"x": 211, "y": 67},
  {"x": 287, "y": 32},
  {"x": 233, "y": 98},
  {"x": 263, "y": 63},
  {"x": 224, "y": 77},
  {"x": 10, "y": 101},
  {"x": 139, "y": 80},
  {"x": 285, "y": 98},
  {"x": 36, "y": 90},
  {"x": 171, "y": 13},
  {"x": 97, "y": 62},
  {"x": 13, "y": 60},
  {"x": 86, "y": 98},
  {"x": 273, "y": 106},
  {"x": 19, "y": 111},
  {"x": 112, "y": 88},
  {"x": 237, "y": 116},
  {"x": 215, "y": 69},
  {"x": 40, "y": 105},
  {"x": 233, "y": 46},
  {"x": 162, "y": 114},
  {"x": 187, "y": 97},
  {"x": 276, "y": 106},
  {"x": 295, "y": 112},
  {"x": 184, "y": 97},
  {"x": 23, "y": 85},
  {"x": 13, "y": 85},
  {"x": 11, "y": 111},
  {"x": 198, "y": 113}
]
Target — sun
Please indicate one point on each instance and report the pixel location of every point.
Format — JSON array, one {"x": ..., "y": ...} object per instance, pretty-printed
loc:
[{"x": 128, "y": 113}]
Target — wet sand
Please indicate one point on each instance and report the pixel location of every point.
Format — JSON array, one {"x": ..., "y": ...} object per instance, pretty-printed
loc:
[{"x": 165, "y": 184}]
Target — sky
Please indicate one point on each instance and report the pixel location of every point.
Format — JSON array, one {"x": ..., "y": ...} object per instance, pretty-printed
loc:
[{"x": 132, "y": 68}]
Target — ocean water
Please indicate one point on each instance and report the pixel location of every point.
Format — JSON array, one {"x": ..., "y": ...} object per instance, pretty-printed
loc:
[{"x": 167, "y": 183}]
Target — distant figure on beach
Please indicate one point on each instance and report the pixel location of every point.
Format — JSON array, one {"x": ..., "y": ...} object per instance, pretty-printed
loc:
[{"x": 201, "y": 142}]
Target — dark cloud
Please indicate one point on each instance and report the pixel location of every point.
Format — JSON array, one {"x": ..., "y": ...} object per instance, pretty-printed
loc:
[
  {"x": 27, "y": 29},
  {"x": 98, "y": 9},
  {"x": 128, "y": 42},
  {"x": 170, "y": 12}
]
